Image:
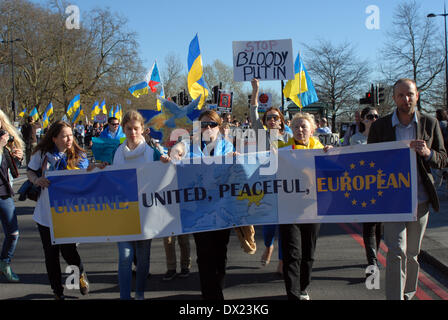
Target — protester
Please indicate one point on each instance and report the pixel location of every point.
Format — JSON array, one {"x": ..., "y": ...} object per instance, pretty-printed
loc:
[
  {"x": 8, "y": 171},
  {"x": 403, "y": 239},
  {"x": 80, "y": 133},
  {"x": 134, "y": 150},
  {"x": 352, "y": 129},
  {"x": 113, "y": 129},
  {"x": 274, "y": 121},
  {"x": 371, "y": 231},
  {"x": 170, "y": 252},
  {"x": 211, "y": 246},
  {"x": 323, "y": 127},
  {"x": 442, "y": 117},
  {"x": 29, "y": 137},
  {"x": 299, "y": 240},
  {"x": 58, "y": 150}
]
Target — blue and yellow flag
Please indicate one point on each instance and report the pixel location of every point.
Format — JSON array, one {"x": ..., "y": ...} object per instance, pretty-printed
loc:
[
  {"x": 139, "y": 89},
  {"x": 34, "y": 114},
  {"x": 103, "y": 107},
  {"x": 95, "y": 110},
  {"x": 196, "y": 83},
  {"x": 49, "y": 110},
  {"x": 74, "y": 105},
  {"x": 111, "y": 112},
  {"x": 78, "y": 115},
  {"x": 161, "y": 95},
  {"x": 23, "y": 113},
  {"x": 300, "y": 90},
  {"x": 118, "y": 113},
  {"x": 45, "y": 121}
]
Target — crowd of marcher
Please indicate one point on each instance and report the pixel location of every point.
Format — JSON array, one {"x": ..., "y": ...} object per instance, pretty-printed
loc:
[{"x": 63, "y": 147}]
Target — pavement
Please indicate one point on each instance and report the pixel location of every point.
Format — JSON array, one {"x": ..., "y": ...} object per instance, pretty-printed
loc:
[{"x": 435, "y": 243}]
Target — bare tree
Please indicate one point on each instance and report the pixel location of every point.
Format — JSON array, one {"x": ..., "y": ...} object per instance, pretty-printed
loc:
[
  {"x": 413, "y": 49},
  {"x": 338, "y": 75}
]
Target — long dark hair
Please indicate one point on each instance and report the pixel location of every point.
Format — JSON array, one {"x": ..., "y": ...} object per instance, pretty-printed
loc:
[
  {"x": 74, "y": 154},
  {"x": 282, "y": 118}
]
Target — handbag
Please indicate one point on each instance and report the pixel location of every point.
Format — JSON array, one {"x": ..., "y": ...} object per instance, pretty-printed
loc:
[
  {"x": 29, "y": 190},
  {"x": 246, "y": 235}
]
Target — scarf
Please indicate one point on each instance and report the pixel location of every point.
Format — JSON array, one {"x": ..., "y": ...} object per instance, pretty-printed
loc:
[{"x": 139, "y": 154}]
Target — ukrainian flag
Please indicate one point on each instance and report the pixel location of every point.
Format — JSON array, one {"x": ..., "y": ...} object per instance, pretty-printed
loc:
[
  {"x": 103, "y": 107},
  {"x": 95, "y": 110},
  {"x": 111, "y": 112},
  {"x": 196, "y": 83},
  {"x": 45, "y": 121},
  {"x": 78, "y": 115},
  {"x": 49, "y": 110},
  {"x": 139, "y": 89},
  {"x": 23, "y": 113},
  {"x": 161, "y": 95},
  {"x": 74, "y": 105},
  {"x": 34, "y": 114},
  {"x": 118, "y": 112},
  {"x": 300, "y": 90}
]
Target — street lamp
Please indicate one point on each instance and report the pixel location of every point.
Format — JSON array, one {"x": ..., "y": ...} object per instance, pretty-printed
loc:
[
  {"x": 444, "y": 14},
  {"x": 13, "y": 103}
]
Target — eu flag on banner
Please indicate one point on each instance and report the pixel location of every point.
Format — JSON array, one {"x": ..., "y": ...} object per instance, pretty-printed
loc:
[{"x": 364, "y": 183}]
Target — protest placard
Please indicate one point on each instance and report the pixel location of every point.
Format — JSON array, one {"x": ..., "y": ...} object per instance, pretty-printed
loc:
[{"x": 264, "y": 60}]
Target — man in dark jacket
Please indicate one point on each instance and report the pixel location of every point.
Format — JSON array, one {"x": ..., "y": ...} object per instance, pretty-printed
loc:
[
  {"x": 29, "y": 137},
  {"x": 403, "y": 239}
]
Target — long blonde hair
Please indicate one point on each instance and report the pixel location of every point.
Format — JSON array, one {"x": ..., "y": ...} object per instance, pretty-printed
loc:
[{"x": 12, "y": 131}]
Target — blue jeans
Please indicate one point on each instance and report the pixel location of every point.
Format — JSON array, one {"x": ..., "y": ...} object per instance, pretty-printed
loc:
[
  {"x": 126, "y": 251},
  {"x": 8, "y": 218}
]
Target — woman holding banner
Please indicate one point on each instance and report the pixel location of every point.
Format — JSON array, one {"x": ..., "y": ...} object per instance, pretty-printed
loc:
[
  {"x": 57, "y": 150},
  {"x": 211, "y": 246},
  {"x": 271, "y": 121},
  {"x": 299, "y": 240},
  {"x": 11, "y": 150},
  {"x": 134, "y": 150}
]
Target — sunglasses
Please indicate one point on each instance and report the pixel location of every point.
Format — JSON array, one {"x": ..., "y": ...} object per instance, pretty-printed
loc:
[
  {"x": 372, "y": 116},
  {"x": 211, "y": 124},
  {"x": 270, "y": 117},
  {"x": 114, "y": 124}
]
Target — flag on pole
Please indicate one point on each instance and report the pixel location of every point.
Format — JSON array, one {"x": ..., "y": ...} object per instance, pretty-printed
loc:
[
  {"x": 153, "y": 77},
  {"x": 196, "y": 83},
  {"x": 103, "y": 107},
  {"x": 111, "y": 112},
  {"x": 300, "y": 90},
  {"x": 139, "y": 89},
  {"x": 34, "y": 114},
  {"x": 45, "y": 121},
  {"x": 95, "y": 110},
  {"x": 161, "y": 95},
  {"x": 74, "y": 105},
  {"x": 49, "y": 110},
  {"x": 78, "y": 115},
  {"x": 23, "y": 113}
]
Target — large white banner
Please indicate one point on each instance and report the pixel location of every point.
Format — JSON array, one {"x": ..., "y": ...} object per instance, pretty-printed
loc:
[{"x": 364, "y": 183}]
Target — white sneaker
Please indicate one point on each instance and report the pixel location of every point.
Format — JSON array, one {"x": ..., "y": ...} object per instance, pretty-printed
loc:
[{"x": 304, "y": 295}]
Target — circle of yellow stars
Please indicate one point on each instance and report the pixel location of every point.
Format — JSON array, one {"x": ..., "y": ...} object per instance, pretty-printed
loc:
[{"x": 364, "y": 203}]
